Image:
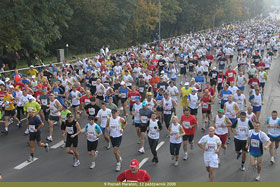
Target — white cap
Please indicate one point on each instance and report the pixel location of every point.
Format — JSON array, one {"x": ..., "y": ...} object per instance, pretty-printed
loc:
[
  {"x": 187, "y": 83},
  {"x": 11, "y": 86},
  {"x": 33, "y": 77},
  {"x": 194, "y": 89},
  {"x": 32, "y": 66},
  {"x": 214, "y": 68},
  {"x": 7, "y": 79},
  {"x": 122, "y": 83},
  {"x": 29, "y": 97},
  {"x": 162, "y": 71}
]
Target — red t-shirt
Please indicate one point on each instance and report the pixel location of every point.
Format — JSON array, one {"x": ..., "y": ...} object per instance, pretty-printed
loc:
[
  {"x": 253, "y": 82},
  {"x": 261, "y": 64},
  {"x": 20, "y": 84},
  {"x": 127, "y": 175},
  {"x": 211, "y": 90},
  {"x": 132, "y": 96},
  {"x": 79, "y": 89},
  {"x": 37, "y": 94},
  {"x": 186, "y": 122},
  {"x": 230, "y": 75},
  {"x": 206, "y": 99},
  {"x": 85, "y": 99},
  {"x": 210, "y": 57},
  {"x": 151, "y": 69}
]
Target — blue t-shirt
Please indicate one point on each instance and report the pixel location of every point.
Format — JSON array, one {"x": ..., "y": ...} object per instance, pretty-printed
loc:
[
  {"x": 224, "y": 95},
  {"x": 97, "y": 131}
]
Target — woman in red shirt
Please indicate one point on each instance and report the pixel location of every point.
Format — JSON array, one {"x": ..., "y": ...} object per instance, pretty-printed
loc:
[
  {"x": 207, "y": 100},
  {"x": 134, "y": 174}
]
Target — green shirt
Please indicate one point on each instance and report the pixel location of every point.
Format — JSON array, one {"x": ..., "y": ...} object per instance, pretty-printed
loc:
[
  {"x": 63, "y": 114},
  {"x": 36, "y": 106}
]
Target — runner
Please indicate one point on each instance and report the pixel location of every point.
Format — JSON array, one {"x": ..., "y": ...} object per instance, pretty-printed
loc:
[
  {"x": 73, "y": 129},
  {"x": 134, "y": 174},
  {"x": 115, "y": 126},
  {"x": 189, "y": 123},
  {"x": 257, "y": 101},
  {"x": 75, "y": 96},
  {"x": 207, "y": 101},
  {"x": 258, "y": 141},
  {"x": 28, "y": 105},
  {"x": 144, "y": 115},
  {"x": 103, "y": 115},
  {"x": 153, "y": 128},
  {"x": 211, "y": 145},
  {"x": 54, "y": 109},
  {"x": 194, "y": 101},
  {"x": 168, "y": 104},
  {"x": 92, "y": 132},
  {"x": 34, "y": 125},
  {"x": 64, "y": 112},
  {"x": 221, "y": 124},
  {"x": 185, "y": 91},
  {"x": 136, "y": 117},
  {"x": 273, "y": 126},
  {"x": 176, "y": 132},
  {"x": 240, "y": 129}
]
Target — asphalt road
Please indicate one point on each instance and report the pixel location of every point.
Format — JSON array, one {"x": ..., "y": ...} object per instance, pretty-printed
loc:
[{"x": 56, "y": 165}]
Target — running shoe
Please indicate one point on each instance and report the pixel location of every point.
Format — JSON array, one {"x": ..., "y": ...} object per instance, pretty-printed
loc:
[
  {"x": 47, "y": 147},
  {"x": 156, "y": 160},
  {"x": 185, "y": 156},
  {"x": 26, "y": 132},
  {"x": 118, "y": 167},
  {"x": 258, "y": 177},
  {"x": 77, "y": 163},
  {"x": 92, "y": 165},
  {"x": 172, "y": 157},
  {"x": 141, "y": 150},
  {"x": 49, "y": 139},
  {"x": 63, "y": 145},
  {"x": 272, "y": 160},
  {"x": 176, "y": 163},
  {"x": 108, "y": 146},
  {"x": 30, "y": 159},
  {"x": 242, "y": 167}
]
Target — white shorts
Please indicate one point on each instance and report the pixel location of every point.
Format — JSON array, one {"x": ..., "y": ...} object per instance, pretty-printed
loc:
[{"x": 211, "y": 162}]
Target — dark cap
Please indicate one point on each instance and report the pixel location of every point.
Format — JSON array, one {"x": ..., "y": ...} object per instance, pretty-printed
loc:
[
  {"x": 69, "y": 115},
  {"x": 90, "y": 118},
  {"x": 114, "y": 111}
]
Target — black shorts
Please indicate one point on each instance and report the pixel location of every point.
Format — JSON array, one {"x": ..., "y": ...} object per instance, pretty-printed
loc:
[
  {"x": 206, "y": 111},
  {"x": 205, "y": 74},
  {"x": 137, "y": 124},
  {"x": 54, "y": 118},
  {"x": 188, "y": 137},
  {"x": 10, "y": 113},
  {"x": 71, "y": 141},
  {"x": 213, "y": 82},
  {"x": 35, "y": 136},
  {"x": 143, "y": 127},
  {"x": 100, "y": 97},
  {"x": 273, "y": 139},
  {"x": 91, "y": 146},
  {"x": 191, "y": 69},
  {"x": 183, "y": 71},
  {"x": 219, "y": 87},
  {"x": 159, "y": 109},
  {"x": 123, "y": 100},
  {"x": 74, "y": 106},
  {"x": 130, "y": 108},
  {"x": 116, "y": 142},
  {"x": 222, "y": 106},
  {"x": 176, "y": 55},
  {"x": 262, "y": 84},
  {"x": 193, "y": 111},
  {"x": 231, "y": 56},
  {"x": 240, "y": 145}
]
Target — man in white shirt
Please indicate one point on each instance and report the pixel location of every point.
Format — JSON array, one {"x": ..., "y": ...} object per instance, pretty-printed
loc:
[{"x": 211, "y": 145}]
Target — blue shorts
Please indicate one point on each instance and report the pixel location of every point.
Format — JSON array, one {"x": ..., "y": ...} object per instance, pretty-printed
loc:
[
  {"x": 257, "y": 108},
  {"x": 174, "y": 79},
  {"x": 241, "y": 88},
  {"x": 104, "y": 130},
  {"x": 232, "y": 120},
  {"x": 255, "y": 155}
]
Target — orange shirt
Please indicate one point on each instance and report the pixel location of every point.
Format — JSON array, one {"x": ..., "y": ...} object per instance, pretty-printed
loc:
[{"x": 155, "y": 81}]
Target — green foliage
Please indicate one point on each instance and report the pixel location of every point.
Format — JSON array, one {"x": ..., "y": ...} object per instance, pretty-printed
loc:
[{"x": 41, "y": 26}]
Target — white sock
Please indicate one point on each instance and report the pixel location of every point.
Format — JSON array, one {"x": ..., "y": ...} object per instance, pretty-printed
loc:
[{"x": 6, "y": 128}]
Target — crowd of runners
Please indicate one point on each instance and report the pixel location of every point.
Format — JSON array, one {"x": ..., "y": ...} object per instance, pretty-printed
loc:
[{"x": 146, "y": 85}]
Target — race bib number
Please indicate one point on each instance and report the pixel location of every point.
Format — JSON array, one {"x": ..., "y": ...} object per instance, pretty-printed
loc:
[
  {"x": 123, "y": 95},
  {"x": 230, "y": 75},
  {"x": 255, "y": 143},
  {"x": 63, "y": 118},
  {"x": 211, "y": 146},
  {"x": 70, "y": 130},
  {"x": 220, "y": 80},
  {"x": 141, "y": 89},
  {"x": 187, "y": 124},
  {"x": 144, "y": 119},
  {"x": 243, "y": 130},
  {"x": 31, "y": 128},
  {"x": 44, "y": 102},
  {"x": 205, "y": 105},
  {"x": 91, "y": 111}
]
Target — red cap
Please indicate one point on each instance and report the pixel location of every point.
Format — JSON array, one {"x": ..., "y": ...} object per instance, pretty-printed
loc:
[{"x": 134, "y": 163}]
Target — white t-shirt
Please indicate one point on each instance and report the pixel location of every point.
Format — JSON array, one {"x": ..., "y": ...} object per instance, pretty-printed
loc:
[{"x": 212, "y": 144}]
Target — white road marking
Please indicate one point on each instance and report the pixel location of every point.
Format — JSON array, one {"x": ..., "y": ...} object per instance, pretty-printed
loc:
[
  {"x": 26, "y": 163},
  {"x": 235, "y": 67},
  {"x": 57, "y": 145},
  {"x": 143, "y": 162},
  {"x": 159, "y": 145}
]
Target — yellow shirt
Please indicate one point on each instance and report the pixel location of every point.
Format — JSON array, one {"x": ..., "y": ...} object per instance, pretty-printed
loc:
[
  {"x": 32, "y": 72},
  {"x": 8, "y": 102},
  {"x": 109, "y": 64},
  {"x": 185, "y": 93}
]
